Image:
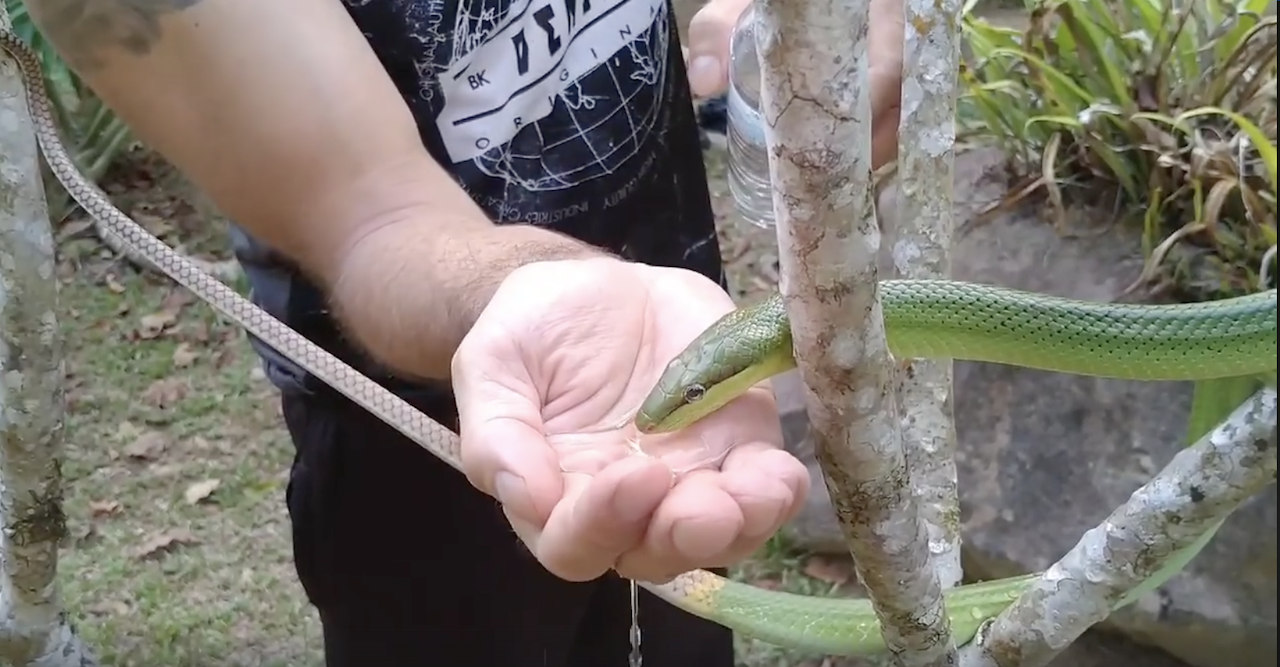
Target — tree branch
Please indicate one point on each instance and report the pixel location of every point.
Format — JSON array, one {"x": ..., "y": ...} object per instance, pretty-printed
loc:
[
  {"x": 34, "y": 631},
  {"x": 921, "y": 250},
  {"x": 815, "y": 102},
  {"x": 1190, "y": 497}
]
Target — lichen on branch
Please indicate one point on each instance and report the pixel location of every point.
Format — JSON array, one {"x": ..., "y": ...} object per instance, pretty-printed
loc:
[{"x": 815, "y": 101}]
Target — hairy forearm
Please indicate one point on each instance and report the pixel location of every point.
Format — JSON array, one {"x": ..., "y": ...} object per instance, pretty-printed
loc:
[
  {"x": 411, "y": 299},
  {"x": 281, "y": 113},
  {"x": 274, "y": 109}
]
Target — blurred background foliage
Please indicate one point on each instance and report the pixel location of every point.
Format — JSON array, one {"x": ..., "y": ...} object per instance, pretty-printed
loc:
[
  {"x": 1167, "y": 108},
  {"x": 93, "y": 135}
]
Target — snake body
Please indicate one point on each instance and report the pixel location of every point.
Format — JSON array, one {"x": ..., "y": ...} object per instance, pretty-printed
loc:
[
  {"x": 944, "y": 319},
  {"x": 838, "y": 627}
]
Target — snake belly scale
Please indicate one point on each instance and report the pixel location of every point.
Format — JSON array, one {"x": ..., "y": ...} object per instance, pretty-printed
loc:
[{"x": 837, "y": 627}]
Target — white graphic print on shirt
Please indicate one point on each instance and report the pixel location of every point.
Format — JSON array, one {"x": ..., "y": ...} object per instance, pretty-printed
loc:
[{"x": 549, "y": 94}]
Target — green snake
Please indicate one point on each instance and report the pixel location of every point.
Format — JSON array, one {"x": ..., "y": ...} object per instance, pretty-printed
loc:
[
  {"x": 955, "y": 320},
  {"x": 944, "y": 319},
  {"x": 924, "y": 319}
]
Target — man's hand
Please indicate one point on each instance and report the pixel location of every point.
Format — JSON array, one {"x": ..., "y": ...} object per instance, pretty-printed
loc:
[
  {"x": 547, "y": 382},
  {"x": 707, "y": 59}
]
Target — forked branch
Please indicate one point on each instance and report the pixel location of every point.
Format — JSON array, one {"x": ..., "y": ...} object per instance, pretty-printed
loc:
[{"x": 1191, "y": 496}]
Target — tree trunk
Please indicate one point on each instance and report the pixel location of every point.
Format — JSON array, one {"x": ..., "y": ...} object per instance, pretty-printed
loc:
[
  {"x": 921, "y": 250},
  {"x": 816, "y": 105},
  {"x": 34, "y": 630}
]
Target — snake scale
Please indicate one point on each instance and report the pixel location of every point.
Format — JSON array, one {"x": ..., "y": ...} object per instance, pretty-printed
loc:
[{"x": 927, "y": 319}]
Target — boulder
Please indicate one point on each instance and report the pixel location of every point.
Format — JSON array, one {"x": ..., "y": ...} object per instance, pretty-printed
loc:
[{"x": 1042, "y": 457}]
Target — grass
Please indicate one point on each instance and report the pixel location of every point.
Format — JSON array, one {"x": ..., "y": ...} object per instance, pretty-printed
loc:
[{"x": 176, "y": 465}]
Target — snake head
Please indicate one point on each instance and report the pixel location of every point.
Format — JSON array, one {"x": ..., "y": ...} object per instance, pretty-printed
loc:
[
  {"x": 743, "y": 348},
  {"x": 691, "y": 387}
]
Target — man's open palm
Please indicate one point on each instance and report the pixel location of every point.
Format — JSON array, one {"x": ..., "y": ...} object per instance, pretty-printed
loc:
[{"x": 547, "y": 383}]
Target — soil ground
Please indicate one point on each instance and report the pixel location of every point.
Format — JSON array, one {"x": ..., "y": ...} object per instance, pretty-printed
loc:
[{"x": 176, "y": 462}]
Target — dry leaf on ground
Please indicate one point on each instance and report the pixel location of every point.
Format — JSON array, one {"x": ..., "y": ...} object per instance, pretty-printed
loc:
[
  {"x": 165, "y": 393},
  {"x": 184, "y": 355},
  {"x": 161, "y": 543},
  {"x": 151, "y": 326},
  {"x": 201, "y": 491},
  {"x": 101, "y": 508},
  {"x": 163, "y": 320},
  {"x": 148, "y": 446}
]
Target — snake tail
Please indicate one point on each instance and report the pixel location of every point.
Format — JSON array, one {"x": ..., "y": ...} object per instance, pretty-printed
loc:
[{"x": 829, "y": 626}]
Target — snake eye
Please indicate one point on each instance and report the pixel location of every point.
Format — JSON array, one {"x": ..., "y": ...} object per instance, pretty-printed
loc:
[{"x": 694, "y": 393}]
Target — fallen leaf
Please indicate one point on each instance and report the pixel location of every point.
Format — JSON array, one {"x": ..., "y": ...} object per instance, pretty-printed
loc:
[
  {"x": 201, "y": 491},
  {"x": 155, "y": 224},
  {"x": 224, "y": 357},
  {"x": 113, "y": 608},
  {"x": 101, "y": 508},
  {"x": 161, "y": 543},
  {"x": 113, "y": 283},
  {"x": 163, "y": 470},
  {"x": 165, "y": 393},
  {"x": 184, "y": 355},
  {"x": 81, "y": 536},
  {"x": 196, "y": 331},
  {"x": 175, "y": 300},
  {"x": 163, "y": 320},
  {"x": 148, "y": 446},
  {"x": 151, "y": 326},
  {"x": 828, "y": 570},
  {"x": 73, "y": 229}
]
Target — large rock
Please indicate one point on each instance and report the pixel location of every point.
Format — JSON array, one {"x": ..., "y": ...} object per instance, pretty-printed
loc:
[{"x": 1043, "y": 457}]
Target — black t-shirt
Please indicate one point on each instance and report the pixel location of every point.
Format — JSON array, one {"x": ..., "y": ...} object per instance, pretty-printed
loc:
[{"x": 574, "y": 115}]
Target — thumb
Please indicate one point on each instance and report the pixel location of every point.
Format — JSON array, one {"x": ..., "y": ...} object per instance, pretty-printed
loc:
[
  {"x": 504, "y": 448},
  {"x": 708, "y": 53}
]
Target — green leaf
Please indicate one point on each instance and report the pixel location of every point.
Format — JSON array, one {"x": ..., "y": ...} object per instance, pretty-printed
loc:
[
  {"x": 1091, "y": 42},
  {"x": 1212, "y": 401}
]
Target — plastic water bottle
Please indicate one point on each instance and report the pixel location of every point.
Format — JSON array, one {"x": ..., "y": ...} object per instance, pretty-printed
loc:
[{"x": 748, "y": 153}]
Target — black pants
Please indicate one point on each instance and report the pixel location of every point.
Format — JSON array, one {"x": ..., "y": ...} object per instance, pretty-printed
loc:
[{"x": 410, "y": 566}]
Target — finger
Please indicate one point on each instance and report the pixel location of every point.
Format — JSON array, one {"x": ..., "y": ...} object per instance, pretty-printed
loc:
[
  {"x": 885, "y": 116},
  {"x": 601, "y": 517},
  {"x": 708, "y": 58},
  {"x": 694, "y": 526},
  {"x": 769, "y": 484},
  {"x": 511, "y": 461},
  {"x": 770, "y": 487},
  {"x": 886, "y": 47},
  {"x": 504, "y": 451}
]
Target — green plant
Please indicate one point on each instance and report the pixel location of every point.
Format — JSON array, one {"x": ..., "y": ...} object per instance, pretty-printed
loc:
[
  {"x": 1168, "y": 104},
  {"x": 93, "y": 134}
]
